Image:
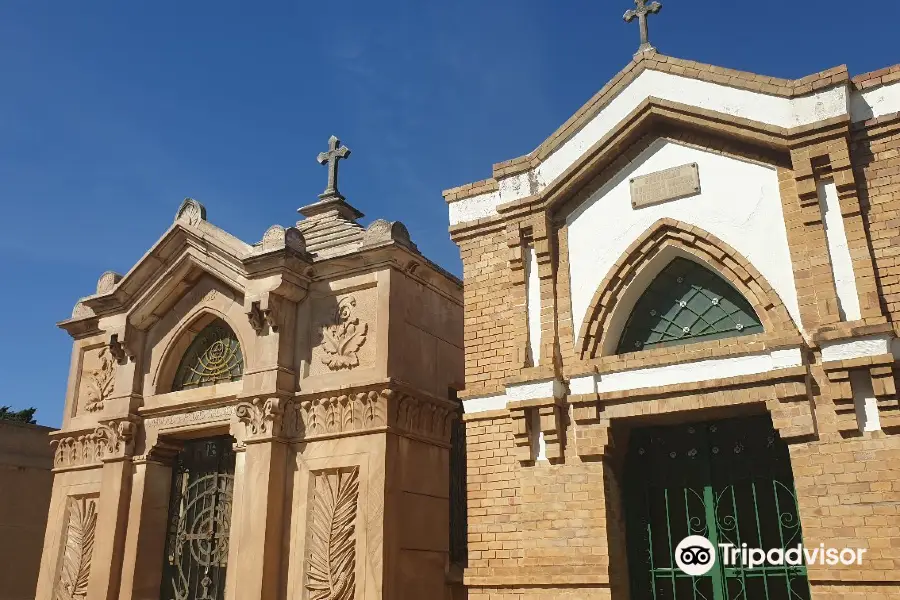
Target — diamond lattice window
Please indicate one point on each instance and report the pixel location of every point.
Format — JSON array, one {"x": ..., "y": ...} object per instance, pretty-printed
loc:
[
  {"x": 213, "y": 357},
  {"x": 687, "y": 303}
]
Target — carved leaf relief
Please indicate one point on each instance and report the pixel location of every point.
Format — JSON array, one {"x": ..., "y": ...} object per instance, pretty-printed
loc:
[
  {"x": 76, "y": 563},
  {"x": 331, "y": 555},
  {"x": 101, "y": 382},
  {"x": 344, "y": 337}
]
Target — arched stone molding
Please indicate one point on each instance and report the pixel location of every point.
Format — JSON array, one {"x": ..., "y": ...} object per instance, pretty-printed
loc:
[
  {"x": 645, "y": 258},
  {"x": 169, "y": 338}
]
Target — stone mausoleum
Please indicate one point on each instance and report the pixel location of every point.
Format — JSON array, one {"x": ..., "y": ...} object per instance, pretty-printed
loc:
[
  {"x": 681, "y": 317},
  {"x": 268, "y": 420}
]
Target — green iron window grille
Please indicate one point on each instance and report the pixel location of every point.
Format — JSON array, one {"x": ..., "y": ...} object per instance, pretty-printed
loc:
[
  {"x": 213, "y": 357},
  {"x": 687, "y": 303}
]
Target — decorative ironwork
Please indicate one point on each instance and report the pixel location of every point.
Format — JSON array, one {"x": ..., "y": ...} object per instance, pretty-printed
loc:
[
  {"x": 687, "y": 303},
  {"x": 199, "y": 521},
  {"x": 213, "y": 357},
  {"x": 743, "y": 495},
  {"x": 458, "y": 531}
]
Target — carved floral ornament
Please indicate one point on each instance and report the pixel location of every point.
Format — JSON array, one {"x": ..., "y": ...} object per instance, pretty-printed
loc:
[
  {"x": 261, "y": 417},
  {"x": 109, "y": 440},
  {"x": 343, "y": 338},
  {"x": 101, "y": 381}
]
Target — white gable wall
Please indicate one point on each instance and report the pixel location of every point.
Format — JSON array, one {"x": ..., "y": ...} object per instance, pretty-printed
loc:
[{"x": 739, "y": 203}]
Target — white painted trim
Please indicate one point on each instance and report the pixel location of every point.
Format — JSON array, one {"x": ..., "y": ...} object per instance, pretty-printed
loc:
[
  {"x": 839, "y": 251},
  {"x": 690, "y": 372},
  {"x": 873, "y": 345},
  {"x": 875, "y": 102},
  {"x": 864, "y": 401},
  {"x": 535, "y": 390},
  {"x": 484, "y": 404},
  {"x": 764, "y": 108},
  {"x": 740, "y": 203},
  {"x": 533, "y": 303}
]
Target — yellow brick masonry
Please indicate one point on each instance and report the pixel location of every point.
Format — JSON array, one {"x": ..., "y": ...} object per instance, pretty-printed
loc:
[{"x": 541, "y": 530}]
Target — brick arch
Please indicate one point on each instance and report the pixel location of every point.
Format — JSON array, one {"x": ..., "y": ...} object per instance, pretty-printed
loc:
[{"x": 663, "y": 237}]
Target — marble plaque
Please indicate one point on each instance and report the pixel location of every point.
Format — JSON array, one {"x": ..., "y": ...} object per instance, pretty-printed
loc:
[{"x": 662, "y": 186}]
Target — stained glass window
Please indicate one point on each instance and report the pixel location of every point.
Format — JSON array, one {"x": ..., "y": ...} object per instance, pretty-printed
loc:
[
  {"x": 213, "y": 357},
  {"x": 687, "y": 303}
]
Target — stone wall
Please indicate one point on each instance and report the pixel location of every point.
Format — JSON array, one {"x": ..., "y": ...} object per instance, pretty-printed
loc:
[{"x": 25, "y": 483}]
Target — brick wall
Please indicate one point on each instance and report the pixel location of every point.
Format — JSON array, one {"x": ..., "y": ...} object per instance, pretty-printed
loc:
[{"x": 554, "y": 529}]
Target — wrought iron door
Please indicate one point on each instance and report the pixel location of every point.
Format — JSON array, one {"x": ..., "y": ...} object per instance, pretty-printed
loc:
[
  {"x": 729, "y": 481},
  {"x": 199, "y": 521}
]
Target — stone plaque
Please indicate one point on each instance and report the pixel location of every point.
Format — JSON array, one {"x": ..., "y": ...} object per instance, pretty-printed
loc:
[{"x": 662, "y": 186}]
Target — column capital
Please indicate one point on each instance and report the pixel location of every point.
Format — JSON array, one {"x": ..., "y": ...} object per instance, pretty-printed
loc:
[{"x": 262, "y": 418}]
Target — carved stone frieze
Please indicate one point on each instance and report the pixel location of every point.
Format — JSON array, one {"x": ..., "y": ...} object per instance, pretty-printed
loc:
[
  {"x": 331, "y": 551},
  {"x": 422, "y": 417},
  {"x": 360, "y": 411},
  {"x": 75, "y": 570},
  {"x": 342, "y": 339},
  {"x": 261, "y": 417},
  {"x": 335, "y": 414},
  {"x": 206, "y": 415},
  {"x": 101, "y": 381},
  {"x": 108, "y": 441}
]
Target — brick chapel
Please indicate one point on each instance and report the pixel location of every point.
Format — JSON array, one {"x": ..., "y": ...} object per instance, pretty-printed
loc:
[
  {"x": 260, "y": 421},
  {"x": 681, "y": 317}
]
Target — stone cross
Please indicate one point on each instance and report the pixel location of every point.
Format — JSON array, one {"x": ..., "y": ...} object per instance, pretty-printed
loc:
[
  {"x": 641, "y": 12},
  {"x": 331, "y": 158}
]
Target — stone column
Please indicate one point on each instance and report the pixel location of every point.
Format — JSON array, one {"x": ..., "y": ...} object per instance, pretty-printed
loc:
[
  {"x": 115, "y": 448},
  {"x": 254, "y": 562},
  {"x": 145, "y": 538}
]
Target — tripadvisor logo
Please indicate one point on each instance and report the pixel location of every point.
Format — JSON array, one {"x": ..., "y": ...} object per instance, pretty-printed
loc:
[{"x": 695, "y": 556}]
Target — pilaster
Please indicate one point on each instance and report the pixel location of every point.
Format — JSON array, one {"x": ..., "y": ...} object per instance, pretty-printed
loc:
[
  {"x": 112, "y": 516},
  {"x": 258, "y": 518}
]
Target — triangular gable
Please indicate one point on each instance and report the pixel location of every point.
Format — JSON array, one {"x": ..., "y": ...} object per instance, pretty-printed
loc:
[{"x": 779, "y": 106}]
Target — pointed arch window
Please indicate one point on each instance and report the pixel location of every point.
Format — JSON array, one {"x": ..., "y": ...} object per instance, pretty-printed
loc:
[
  {"x": 214, "y": 356},
  {"x": 687, "y": 303}
]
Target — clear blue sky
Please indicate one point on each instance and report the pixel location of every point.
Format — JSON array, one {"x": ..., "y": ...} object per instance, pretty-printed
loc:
[{"x": 112, "y": 111}]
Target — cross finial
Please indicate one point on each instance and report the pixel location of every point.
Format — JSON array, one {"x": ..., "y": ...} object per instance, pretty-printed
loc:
[
  {"x": 331, "y": 158},
  {"x": 642, "y": 11}
]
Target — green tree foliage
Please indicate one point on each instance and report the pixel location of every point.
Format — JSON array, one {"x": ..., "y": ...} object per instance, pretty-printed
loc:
[{"x": 20, "y": 416}]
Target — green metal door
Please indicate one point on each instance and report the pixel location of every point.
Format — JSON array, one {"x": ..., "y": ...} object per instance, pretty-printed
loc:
[{"x": 729, "y": 481}]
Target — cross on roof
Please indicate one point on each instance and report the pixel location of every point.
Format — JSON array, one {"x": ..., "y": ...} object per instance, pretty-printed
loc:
[
  {"x": 642, "y": 11},
  {"x": 331, "y": 158}
]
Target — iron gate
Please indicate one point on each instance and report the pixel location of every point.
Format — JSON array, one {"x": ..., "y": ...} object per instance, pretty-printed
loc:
[
  {"x": 199, "y": 521},
  {"x": 729, "y": 481}
]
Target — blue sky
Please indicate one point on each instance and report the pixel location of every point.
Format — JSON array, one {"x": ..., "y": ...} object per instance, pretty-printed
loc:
[{"x": 111, "y": 112}]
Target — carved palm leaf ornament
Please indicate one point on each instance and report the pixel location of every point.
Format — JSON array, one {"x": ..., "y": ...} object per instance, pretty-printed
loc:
[
  {"x": 344, "y": 337},
  {"x": 76, "y": 564},
  {"x": 331, "y": 561}
]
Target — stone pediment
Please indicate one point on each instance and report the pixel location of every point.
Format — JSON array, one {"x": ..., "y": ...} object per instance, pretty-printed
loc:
[
  {"x": 654, "y": 89},
  {"x": 190, "y": 248}
]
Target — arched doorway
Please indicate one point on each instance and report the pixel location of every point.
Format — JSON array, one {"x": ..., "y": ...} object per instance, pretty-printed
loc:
[{"x": 729, "y": 481}]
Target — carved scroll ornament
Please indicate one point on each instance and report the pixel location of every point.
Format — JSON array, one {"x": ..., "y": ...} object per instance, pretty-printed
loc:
[
  {"x": 101, "y": 382},
  {"x": 261, "y": 417},
  {"x": 331, "y": 558},
  {"x": 79, "y": 546},
  {"x": 344, "y": 337}
]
